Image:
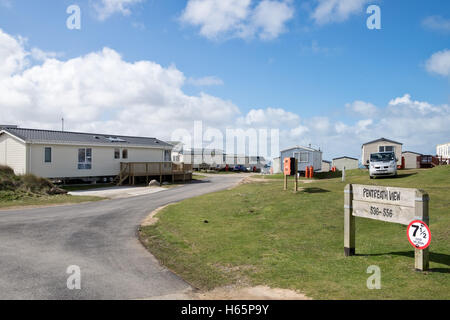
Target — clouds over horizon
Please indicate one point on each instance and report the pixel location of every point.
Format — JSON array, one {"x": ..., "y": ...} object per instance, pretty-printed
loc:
[
  {"x": 439, "y": 63},
  {"x": 246, "y": 19},
  {"x": 329, "y": 11},
  {"x": 436, "y": 23},
  {"x": 107, "y": 8},
  {"x": 101, "y": 92}
]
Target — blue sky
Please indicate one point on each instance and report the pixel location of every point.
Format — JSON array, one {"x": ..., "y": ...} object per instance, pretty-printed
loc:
[{"x": 309, "y": 67}]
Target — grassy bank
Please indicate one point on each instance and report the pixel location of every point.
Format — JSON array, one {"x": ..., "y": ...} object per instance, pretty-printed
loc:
[
  {"x": 257, "y": 234},
  {"x": 29, "y": 190}
]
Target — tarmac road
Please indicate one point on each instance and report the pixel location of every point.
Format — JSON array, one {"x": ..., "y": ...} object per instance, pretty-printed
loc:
[{"x": 38, "y": 245}]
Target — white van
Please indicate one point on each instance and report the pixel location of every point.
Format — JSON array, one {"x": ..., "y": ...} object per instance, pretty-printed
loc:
[{"x": 382, "y": 164}]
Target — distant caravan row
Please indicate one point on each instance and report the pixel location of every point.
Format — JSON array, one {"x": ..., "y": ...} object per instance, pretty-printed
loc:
[
  {"x": 381, "y": 156},
  {"x": 215, "y": 159}
]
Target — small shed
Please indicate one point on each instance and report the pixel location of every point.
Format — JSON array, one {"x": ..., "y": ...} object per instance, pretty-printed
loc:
[
  {"x": 411, "y": 161},
  {"x": 381, "y": 145},
  {"x": 276, "y": 165},
  {"x": 347, "y": 162},
  {"x": 326, "y": 166},
  {"x": 306, "y": 157}
]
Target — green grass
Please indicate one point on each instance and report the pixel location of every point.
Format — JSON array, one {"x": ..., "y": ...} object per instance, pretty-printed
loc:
[
  {"x": 258, "y": 234},
  {"x": 30, "y": 190},
  {"x": 317, "y": 175},
  {"x": 198, "y": 177},
  {"x": 13, "y": 202}
]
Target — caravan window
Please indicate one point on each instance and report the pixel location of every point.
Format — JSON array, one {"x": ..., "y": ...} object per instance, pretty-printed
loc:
[
  {"x": 167, "y": 155},
  {"x": 304, "y": 157},
  {"x": 85, "y": 159},
  {"x": 386, "y": 149},
  {"x": 48, "y": 155}
]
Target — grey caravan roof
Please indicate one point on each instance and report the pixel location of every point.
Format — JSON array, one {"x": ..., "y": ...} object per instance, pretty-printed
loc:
[
  {"x": 382, "y": 139},
  {"x": 65, "y": 137}
]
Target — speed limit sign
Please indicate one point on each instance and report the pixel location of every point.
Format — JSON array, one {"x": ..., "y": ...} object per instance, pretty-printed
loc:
[{"x": 419, "y": 234}]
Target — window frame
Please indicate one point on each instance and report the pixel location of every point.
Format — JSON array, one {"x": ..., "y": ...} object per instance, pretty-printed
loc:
[
  {"x": 300, "y": 157},
  {"x": 124, "y": 153},
  {"x": 87, "y": 163},
  {"x": 167, "y": 155},
  {"x": 384, "y": 148},
  {"x": 45, "y": 154},
  {"x": 116, "y": 154}
]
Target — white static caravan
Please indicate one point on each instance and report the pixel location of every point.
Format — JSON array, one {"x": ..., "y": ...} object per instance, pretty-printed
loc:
[
  {"x": 276, "y": 163},
  {"x": 381, "y": 145},
  {"x": 68, "y": 155},
  {"x": 411, "y": 161},
  {"x": 306, "y": 157},
  {"x": 326, "y": 166},
  {"x": 348, "y": 163}
]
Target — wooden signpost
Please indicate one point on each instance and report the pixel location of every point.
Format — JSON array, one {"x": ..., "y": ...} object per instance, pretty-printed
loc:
[{"x": 390, "y": 204}]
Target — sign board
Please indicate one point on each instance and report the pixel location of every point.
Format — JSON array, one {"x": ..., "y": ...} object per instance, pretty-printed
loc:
[
  {"x": 289, "y": 166},
  {"x": 390, "y": 204},
  {"x": 419, "y": 235}
]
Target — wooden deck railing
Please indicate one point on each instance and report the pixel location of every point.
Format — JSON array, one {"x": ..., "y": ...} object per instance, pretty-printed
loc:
[{"x": 131, "y": 170}]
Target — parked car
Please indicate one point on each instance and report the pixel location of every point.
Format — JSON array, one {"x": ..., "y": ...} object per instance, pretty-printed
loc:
[
  {"x": 382, "y": 164},
  {"x": 240, "y": 168}
]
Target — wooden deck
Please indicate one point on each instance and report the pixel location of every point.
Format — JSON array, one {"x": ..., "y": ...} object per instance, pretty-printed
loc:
[{"x": 130, "y": 170}]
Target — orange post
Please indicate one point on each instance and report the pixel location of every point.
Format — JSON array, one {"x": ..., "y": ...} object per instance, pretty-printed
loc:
[
  {"x": 311, "y": 172},
  {"x": 307, "y": 172}
]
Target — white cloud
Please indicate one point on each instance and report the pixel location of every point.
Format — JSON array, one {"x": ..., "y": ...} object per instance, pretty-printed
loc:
[
  {"x": 270, "y": 18},
  {"x": 40, "y": 55},
  {"x": 205, "y": 81},
  {"x": 437, "y": 23},
  {"x": 329, "y": 11},
  {"x": 12, "y": 55},
  {"x": 269, "y": 117},
  {"x": 439, "y": 63},
  {"x": 238, "y": 18},
  {"x": 101, "y": 92},
  {"x": 107, "y": 8},
  {"x": 362, "y": 108}
]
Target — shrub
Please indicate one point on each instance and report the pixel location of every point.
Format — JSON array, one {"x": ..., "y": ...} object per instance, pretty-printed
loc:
[
  {"x": 6, "y": 171},
  {"x": 14, "y": 187}
]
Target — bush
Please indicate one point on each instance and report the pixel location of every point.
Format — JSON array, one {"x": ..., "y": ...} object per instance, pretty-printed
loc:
[
  {"x": 36, "y": 184},
  {"x": 14, "y": 187},
  {"x": 6, "y": 171}
]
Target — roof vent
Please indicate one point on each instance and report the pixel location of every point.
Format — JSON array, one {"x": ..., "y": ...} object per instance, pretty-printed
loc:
[{"x": 115, "y": 139}]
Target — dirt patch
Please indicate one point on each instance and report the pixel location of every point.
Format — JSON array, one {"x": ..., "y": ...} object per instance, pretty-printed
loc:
[
  {"x": 151, "y": 219},
  {"x": 250, "y": 293}
]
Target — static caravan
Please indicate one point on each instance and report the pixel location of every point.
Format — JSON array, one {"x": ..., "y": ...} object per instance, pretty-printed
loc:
[
  {"x": 345, "y": 162},
  {"x": 306, "y": 157},
  {"x": 412, "y": 159},
  {"x": 443, "y": 153},
  {"x": 326, "y": 166},
  {"x": 242, "y": 160},
  {"x": 276, "y": 165},
  {"x": 70, "y": 155},
  {"x": 381, "y": 145},
  {"x": 231, "y": 160}
]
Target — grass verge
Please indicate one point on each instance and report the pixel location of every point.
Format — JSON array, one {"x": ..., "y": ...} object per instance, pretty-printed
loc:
[
  {"x": 258, "y": 234},
  {"x": 46, "y": 201},
  {"x": 30, "y": 190}
]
